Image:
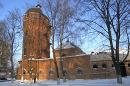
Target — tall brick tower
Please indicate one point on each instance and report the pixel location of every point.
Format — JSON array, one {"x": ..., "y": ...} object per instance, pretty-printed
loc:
[
  {"x": 36, "y": 46},
  {"x": 36, "y": 34}
]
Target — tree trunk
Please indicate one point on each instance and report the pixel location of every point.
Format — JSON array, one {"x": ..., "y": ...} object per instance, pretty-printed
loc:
[
  {"x": 55, "y": 61},
  {"x": 12, "y": 62},
  {"x": 12, "y": 67},
  {"x": 118, "y": 72},
  {"x": 61, "y": 59}
]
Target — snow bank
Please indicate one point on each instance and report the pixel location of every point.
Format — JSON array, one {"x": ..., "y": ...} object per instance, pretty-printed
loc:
[{"x": 77, "y": 82}]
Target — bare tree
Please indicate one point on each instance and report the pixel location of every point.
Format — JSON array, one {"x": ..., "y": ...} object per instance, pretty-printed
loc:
[
  {"x": 52, "y": 9},
  {"x": 14, "y": 28},
  {"x": 65, "y": 15},
  {"x": 111, "y": 20},
  {"x": 61, "y": 14},
  {"x": 4, "y": 51}
]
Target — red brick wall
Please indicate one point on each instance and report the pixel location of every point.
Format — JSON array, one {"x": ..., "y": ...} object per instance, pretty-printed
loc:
[
  {"x": 41, "y": 68},
  {"x": 100, "y": 72},
  {"x": 36, "y": 36},
  {"x": 69, "y": 52}
]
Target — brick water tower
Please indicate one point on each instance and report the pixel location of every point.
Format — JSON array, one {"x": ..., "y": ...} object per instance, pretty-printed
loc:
[
  {"x": 36, "y": 45},
  {"x": 36, "y": 42}
]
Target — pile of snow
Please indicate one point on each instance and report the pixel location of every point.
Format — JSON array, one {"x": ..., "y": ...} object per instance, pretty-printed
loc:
[{"x": 77, "y": 82}]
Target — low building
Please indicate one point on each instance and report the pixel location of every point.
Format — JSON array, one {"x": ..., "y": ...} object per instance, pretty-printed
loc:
[{"x": 76, "y": 65}]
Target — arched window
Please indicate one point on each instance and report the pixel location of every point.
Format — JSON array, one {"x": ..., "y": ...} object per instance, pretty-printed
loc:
[
  {"x": 95, "y": 66},
  {"x": 104, "y": 66}
]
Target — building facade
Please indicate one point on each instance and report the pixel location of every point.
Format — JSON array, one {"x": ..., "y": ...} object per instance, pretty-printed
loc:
[
  {"x": 37, "y": 64},
  {"x": 36, "y": 43}
]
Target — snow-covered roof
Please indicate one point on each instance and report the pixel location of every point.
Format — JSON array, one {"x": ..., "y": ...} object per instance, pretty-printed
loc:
[
  {"x": 105, "y": 56},
  {"x": 67, "y": 44},
  {"x": 74, "y": 56},
  {"x": 99, "y": 57},
  {"x": 40, "y": 59}
]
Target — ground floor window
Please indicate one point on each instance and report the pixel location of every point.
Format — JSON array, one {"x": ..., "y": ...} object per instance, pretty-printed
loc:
[
  {"x": 104, "y": 65},
  {"x": 95, "y": 66},
  {"x": 128, "y": 64}
]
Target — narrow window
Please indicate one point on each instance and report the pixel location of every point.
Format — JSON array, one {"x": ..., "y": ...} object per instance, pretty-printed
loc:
[
  {"x": 24, "y": 71},
  {"x": 25, "y": 51}
]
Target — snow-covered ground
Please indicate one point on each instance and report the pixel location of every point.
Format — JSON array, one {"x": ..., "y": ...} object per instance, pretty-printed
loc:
[{"x": 77, "y": 82}]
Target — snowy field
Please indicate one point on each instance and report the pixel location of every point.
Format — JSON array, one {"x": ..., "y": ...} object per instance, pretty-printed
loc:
[{"x": 77, "y": 82}]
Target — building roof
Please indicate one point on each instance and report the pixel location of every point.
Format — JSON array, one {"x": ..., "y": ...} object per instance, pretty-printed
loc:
[
  {"x": 36, "y": 9},
  {"x": 74, "y": 56},
  {"x": 69, "y": 45},
  {"x": 105, "y": 56},
  {"x": 66, "y": 45},
  {"x": 100, "y": 57}
]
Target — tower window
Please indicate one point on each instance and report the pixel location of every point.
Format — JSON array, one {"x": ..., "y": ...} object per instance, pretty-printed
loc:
[
  {"x": 104, "y": 65},
  {"x": 95, "y": 66},
  {"x": 24, "y": 50},
  {"x": 24, "y": 71}
]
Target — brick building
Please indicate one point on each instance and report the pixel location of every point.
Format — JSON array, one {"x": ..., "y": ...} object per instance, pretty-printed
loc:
[
  {"x": 36, "y": 43},
  {"x": 36, "y": 62}
]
